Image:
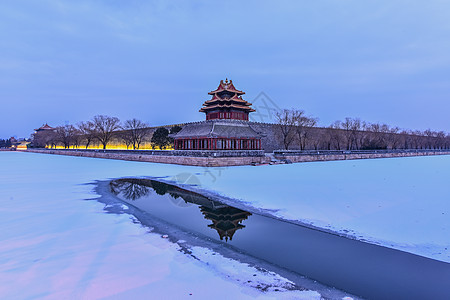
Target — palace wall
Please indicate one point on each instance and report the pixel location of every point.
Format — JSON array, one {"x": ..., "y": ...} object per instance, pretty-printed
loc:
[
  {"x": 296, "y": 156},
  {"x": 162, "y": 157},
  {"x": 317, "y": 138},
  {"x": 270, "y": 141}
]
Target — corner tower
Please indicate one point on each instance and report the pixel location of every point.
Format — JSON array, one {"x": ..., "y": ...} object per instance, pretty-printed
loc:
[
  {"x": 226, "y": 103},
  {"x": 226, "y": 126}
]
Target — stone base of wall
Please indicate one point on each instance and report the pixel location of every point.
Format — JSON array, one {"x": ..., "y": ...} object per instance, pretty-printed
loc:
[
  {"x": 179, "y": 160},
  {"x": 281, "y": 156},
  {"x": 295, "y": 158}
]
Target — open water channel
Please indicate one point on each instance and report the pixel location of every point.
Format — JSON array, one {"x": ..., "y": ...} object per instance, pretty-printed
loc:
[{"x": 363, "y": 269}]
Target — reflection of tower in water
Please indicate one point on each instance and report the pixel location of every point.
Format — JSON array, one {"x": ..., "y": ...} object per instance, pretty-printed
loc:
[{"x": 226, "y": 220}]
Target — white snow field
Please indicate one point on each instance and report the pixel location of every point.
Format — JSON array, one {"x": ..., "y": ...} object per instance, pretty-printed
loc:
[
  {"x": 60, "y": 247},
  {"x": 56, "y": 245}
]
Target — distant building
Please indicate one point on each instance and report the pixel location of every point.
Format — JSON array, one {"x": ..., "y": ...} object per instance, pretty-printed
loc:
[
  {"x": 226, "y": 126},
  {"x": 44, "y": 127},
  {"x": 43, "y": 136},
  {"x": 23, "y": 145}
]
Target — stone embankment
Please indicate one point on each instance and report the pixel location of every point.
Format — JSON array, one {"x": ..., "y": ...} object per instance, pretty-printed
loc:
[
  {"x": 237, "y": 158},
  {"x": 327, "y": 155},
  {"x": 191, "y": 158}
]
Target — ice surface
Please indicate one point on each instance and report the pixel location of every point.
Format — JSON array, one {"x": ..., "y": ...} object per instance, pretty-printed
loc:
[{"x": 55, "y": 245}]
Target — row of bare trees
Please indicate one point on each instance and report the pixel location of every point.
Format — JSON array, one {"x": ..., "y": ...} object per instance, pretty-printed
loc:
[
  {"x": 296, "y": 130},
  {"x": 294, "y": 124},
  {"x": 101, "y": 129}
]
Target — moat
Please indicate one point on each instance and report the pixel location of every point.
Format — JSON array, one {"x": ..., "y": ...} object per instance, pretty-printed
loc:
[{"x": 363, "y": 269}]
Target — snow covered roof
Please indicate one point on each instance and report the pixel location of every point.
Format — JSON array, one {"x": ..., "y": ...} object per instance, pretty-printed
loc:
[
  {"x": 218, "y": 129},
  {"x": 44, "y": 127}
]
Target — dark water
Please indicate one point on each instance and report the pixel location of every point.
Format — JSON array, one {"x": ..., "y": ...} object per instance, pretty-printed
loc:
[{"x": 359, "y": 268}]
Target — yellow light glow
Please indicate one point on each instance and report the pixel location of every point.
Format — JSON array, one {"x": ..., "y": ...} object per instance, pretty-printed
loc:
[{"x": 112, "y": 147}]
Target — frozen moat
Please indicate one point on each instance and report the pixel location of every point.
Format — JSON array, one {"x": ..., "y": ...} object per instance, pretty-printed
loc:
[{"x": 367, "y": 270}]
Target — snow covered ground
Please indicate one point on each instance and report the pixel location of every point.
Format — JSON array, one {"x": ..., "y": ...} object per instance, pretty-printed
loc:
[
  {"x": 56, "y": 245},
  {"x": 59, "y": 247}
]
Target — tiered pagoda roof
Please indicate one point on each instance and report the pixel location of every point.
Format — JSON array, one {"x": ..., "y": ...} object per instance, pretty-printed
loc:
[
  {"x": 226, "y": 98},
  {"x": 226, "y": 86},
  {"x": 226, "y": 220},
  {"x": 44, "y": 127}
]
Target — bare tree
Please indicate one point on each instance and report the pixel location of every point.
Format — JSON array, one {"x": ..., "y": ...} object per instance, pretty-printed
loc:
[
  {"x": 350, "y": 129},
  {"x": 286, "y": 121},
  {"x": 326, "y": 139},
  {"x": 87, "y": 131},
  {"x": 416, "y": 139},
  {"x": 126, "y": 137},
  {"x": 77, "y": 139},
  {"x": 105, "y": 128},
  {"x": 447, "y": 141},
  {"x": 318, "y": 138},
  {"x": 43, "y": 139},
  {"x": 361, "y": 135},
  {"x": 65, "y": 135},
  {"x": 134, "y": 133},
  {"x": 335, "y": 135},
  {"x": 346, "y": 126},
  {"x": 394, "y": 138},
  {"x": 406, "y": 139},
  {"x": 430, "y": 137},
  {"x": 302, "y": 125},
  {"x": 440, "y": 140},
  {"x": 376, "y": 137}
]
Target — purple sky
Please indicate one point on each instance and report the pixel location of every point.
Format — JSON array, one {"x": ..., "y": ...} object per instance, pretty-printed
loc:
[{"x": 66, "y": 61}]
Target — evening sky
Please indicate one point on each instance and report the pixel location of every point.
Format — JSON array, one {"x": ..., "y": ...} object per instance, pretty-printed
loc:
[{"x": 65, "y": 61}]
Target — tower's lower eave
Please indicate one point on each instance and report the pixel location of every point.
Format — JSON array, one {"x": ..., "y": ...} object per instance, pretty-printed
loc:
[{"x": 217, "y": 135}]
